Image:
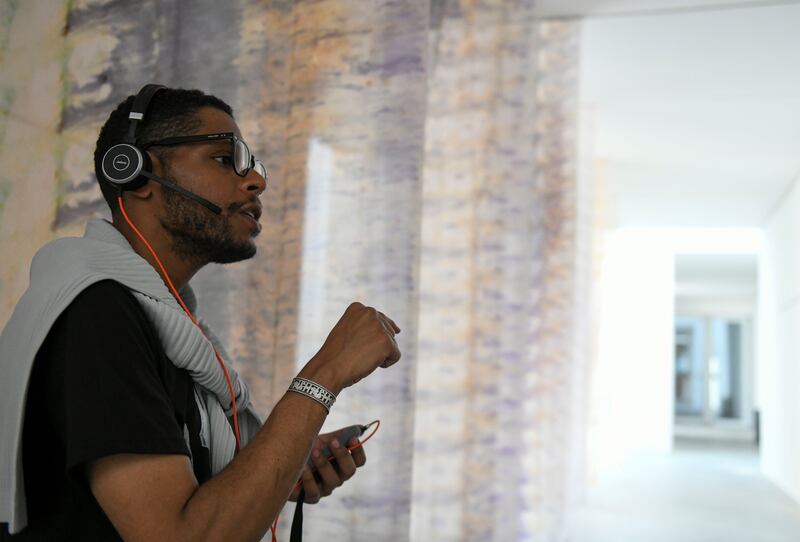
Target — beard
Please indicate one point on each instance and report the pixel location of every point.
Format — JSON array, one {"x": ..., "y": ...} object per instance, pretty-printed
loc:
[{"x": 200, "y": 235}]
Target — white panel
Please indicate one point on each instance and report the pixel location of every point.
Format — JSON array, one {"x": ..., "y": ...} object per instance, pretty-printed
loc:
[
  {"x": 632, "y": 380},
  {"x": 778, "y": 347}
]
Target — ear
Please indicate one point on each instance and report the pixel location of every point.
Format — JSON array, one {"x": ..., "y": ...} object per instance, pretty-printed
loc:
[{"x": 144, "y": 192}]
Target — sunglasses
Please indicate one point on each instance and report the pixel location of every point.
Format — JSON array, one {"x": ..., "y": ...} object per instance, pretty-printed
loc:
[{"x": 243, "y": 160}]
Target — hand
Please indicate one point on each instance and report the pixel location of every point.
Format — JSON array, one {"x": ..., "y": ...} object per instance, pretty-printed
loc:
[
  {"x": 360, "y": 342},
  {"x": 329, "y": 474}
]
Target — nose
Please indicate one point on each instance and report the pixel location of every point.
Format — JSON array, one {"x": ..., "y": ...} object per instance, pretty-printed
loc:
[{"x": 253, "y": 183}]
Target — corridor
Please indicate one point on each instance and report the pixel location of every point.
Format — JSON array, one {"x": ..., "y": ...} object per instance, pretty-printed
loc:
[{"x": 700, "y": 493}]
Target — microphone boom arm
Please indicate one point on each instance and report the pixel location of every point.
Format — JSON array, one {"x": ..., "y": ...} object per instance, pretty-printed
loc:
[{"x": 172, "y": 186}]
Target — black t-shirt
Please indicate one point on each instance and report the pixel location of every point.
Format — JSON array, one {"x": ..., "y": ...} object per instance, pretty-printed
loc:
[{"x": 101, "y": 384}]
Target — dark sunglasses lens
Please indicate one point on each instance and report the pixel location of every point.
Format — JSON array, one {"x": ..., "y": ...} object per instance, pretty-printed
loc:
[{"x": 241, "y": 157}]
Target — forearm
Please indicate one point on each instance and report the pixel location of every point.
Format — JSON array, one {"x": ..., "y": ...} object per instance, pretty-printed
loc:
[{"x": 243, "y": 500}]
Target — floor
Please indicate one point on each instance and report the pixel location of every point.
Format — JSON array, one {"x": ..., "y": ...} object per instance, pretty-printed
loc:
[{"x": 702, "y": 492}]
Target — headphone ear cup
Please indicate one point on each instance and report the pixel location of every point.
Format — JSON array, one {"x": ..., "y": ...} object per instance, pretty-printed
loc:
[{"x": 122, "y": 165}]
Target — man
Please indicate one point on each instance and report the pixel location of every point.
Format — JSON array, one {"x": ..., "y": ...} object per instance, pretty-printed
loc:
[{"x": 119, "y": 434}]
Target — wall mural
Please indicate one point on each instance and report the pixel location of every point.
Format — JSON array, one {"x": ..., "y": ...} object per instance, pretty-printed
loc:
[{"x": 422, "y": 160}]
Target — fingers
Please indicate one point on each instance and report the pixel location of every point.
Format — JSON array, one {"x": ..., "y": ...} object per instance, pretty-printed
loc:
[
  {"x": 354, "y": 306},
  {"x": 390, "y": 322},
  {"x": 344, "y": 463},
  {"x": 391, "y": 326},
  {"x": 313, "y": 493},
  {"x": 393, "y": 354},
  {"x": 328, "y": 474},
  {"x": 393, "y": 351},
  {"x": 359, "y": 455},
  {"x": 387, "y": 327}
]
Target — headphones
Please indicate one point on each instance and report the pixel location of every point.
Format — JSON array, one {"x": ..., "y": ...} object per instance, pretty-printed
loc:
[{"x": 127, "y": 167}]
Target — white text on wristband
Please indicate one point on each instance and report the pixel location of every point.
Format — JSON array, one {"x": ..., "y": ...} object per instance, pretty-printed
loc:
[{"x": 313, "y": 390}]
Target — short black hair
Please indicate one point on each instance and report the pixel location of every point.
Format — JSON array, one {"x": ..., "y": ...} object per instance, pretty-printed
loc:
[{"x": 171, "y": 112}]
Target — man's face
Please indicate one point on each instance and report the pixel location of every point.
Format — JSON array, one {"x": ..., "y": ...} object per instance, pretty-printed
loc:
[{"x": 205, "y": 169}]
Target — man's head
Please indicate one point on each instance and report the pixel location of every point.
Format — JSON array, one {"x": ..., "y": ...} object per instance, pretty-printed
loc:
[{"x": 201, "y": 167}]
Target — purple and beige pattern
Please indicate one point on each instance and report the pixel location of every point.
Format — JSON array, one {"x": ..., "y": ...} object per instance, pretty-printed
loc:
[
  {"x": 422, "y": 161},
  {"x": 492, "y": 448}
]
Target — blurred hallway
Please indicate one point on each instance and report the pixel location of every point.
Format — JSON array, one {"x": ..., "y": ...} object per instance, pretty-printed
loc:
[{"x": 699, "y": 493}]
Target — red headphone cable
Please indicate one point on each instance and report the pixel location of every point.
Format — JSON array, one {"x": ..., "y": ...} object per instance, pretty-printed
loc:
[{"x": 192, "y": 318}]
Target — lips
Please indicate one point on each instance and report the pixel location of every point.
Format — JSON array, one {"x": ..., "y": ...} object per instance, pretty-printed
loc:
[{"x": 253, "y": 210}]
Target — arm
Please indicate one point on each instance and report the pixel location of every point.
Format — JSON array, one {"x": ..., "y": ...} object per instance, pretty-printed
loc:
[{"x": 157, "y": 497}]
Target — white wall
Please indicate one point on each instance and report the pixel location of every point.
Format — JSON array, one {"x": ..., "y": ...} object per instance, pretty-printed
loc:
[
  {"x": 631, "y": 403},
  {"x": 778, "y": 346}
]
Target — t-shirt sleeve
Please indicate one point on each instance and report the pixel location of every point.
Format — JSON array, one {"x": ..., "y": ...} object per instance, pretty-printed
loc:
[{"x": 114, "y": 398}]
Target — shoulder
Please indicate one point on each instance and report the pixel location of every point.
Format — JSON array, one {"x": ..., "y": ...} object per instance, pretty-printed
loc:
[
  {"x": 107, "y": 314},
  {"x": 105, "y": 290},
  {"x": 104, "y": 299}
]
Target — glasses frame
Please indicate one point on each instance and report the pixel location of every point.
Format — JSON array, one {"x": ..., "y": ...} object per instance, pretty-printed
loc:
[{"x": 206, "y": 138}]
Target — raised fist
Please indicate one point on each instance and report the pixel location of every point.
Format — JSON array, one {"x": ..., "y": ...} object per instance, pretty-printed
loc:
[{"x": 361, "y": 341}]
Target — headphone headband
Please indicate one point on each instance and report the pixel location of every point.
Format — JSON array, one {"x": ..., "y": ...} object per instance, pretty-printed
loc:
[
  {"x": 138, "y": 109},
  {"x": 123, "y": 163}
]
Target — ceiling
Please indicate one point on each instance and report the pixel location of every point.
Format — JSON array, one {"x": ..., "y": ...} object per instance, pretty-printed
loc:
[
  {"x": 690, "y": 119},
  {"x": 606, "y": 8},
  {"x": 731, "y": 275}
]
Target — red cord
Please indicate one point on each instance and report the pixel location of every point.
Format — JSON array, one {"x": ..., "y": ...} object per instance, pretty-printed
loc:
[{"x": 192, "y": 318}]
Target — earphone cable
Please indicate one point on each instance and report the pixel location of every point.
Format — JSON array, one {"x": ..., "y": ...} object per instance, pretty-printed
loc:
[{"x": 191, "y": 317}]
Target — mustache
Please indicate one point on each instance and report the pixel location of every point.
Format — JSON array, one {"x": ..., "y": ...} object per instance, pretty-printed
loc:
[{"x": 234, "y": 207}]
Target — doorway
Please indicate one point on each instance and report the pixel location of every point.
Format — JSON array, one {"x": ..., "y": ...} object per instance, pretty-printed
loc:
[{"x": 713, "y": 353}]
